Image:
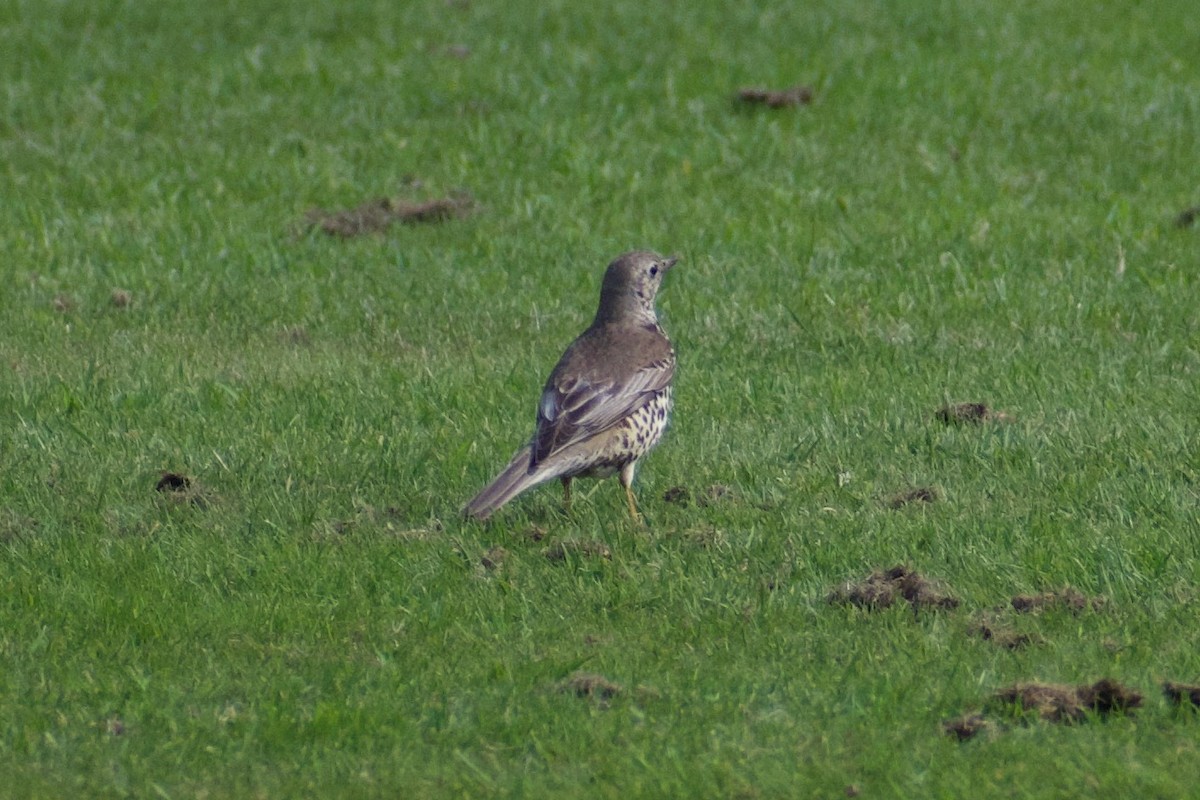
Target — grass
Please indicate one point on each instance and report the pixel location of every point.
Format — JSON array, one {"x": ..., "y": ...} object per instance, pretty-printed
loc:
[{"x": 978, "y": 206}]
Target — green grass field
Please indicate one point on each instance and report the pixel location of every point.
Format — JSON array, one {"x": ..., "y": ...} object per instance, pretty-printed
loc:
[{"x": 979, "y": 205}]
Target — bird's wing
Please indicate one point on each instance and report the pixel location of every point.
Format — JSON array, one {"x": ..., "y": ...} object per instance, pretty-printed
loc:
[{"x": 576, "y": 408}]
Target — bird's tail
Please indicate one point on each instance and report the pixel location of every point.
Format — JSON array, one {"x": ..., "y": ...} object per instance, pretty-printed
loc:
[{"x": 515, "y": 479}]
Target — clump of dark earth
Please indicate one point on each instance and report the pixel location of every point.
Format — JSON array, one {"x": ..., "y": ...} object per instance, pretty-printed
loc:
[
  {"x": 1187, "y": 217},
  {"x": 377, "y": 215},
  {"x": 1108, "y": 696},
  {"x": 1069, "y": 704},
  {"x": 1051, "y": 702},
  {"x": 795, "y": 96},
  {"x": 970, "y": 413},
  {"x": 1001, "y": 636},
  {"x": 1069, "y": 598},
  {"x": 678, "y": 495},
  {"x": 493, "y": 559},
  {"x": 590, "y": 685},
  {"x": 965, "y": 727},
  {"x": 535, "y": 533},
  {"x": 717, "y": 493},
  {"x": 173, "y": 482},
  {"x": 1182, "y": 694},
  {"x": 559, "y": 551},
  {"x": 920, "y": 494},
  {"x": 179, "y": 488},
  {"x": 883, "y": 588}
]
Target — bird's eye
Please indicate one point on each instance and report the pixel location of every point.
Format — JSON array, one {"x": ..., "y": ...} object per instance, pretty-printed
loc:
[{"x": 654, "y": 270}]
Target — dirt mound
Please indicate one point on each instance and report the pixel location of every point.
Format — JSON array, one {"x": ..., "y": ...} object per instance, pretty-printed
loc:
[
  {"x": 970, "y": 413},
  {"x": 1067, "y": 597},
  {"x": 882, "y": 588},
  {"x": 377, "y": 215},
  {"x": 173, "y": 482},
  {"x": 717, "y": 493},
  {"x": 590, "y": 685},
  {"x": 1187, "y": 217},
  {"x": 992, "y": 625},
  {"x": 794, "y": 96},
  {"x": 1067, "y": 704},
  {"x": 920, "y": 494},
  {"x": 179, "y": 488},
  {"x": 965, "y": 727},
  {"x": 678, "y": 495},
  {"x": 1001, "y": 635},
  {"x": 534, "y": 533},
  {"x": 1051, "y": 702},
  {"x": 713, "y": 495},
  {"x": 1182, "y": 694},
  {"x": 1107, "y": 696},
  {"x": 493, "y": 559},
  {"x": 559, "y": 551}
]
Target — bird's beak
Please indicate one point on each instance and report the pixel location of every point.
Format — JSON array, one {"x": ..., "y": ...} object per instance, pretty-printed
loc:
[{"x": 669, "y": 262}]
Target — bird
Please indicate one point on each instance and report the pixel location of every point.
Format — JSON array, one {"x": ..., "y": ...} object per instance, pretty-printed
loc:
[{"x": 607, "y": 401}]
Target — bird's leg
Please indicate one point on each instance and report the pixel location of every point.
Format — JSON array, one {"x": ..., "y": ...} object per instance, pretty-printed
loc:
[
  {"x": 633, "y": 509},
  {"x": 626, "y": 478},
  {"x": 566, "y": 482}
]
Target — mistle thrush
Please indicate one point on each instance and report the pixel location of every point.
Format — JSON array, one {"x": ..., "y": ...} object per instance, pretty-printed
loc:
[{"x": 607, "y": 401}]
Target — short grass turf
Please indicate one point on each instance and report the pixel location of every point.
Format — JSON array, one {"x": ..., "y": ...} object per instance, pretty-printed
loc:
[{"x": 981, "y": 203}]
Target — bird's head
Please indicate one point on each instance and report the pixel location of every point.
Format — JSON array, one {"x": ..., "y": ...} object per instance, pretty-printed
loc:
[{"x": 630, "y": 285}]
